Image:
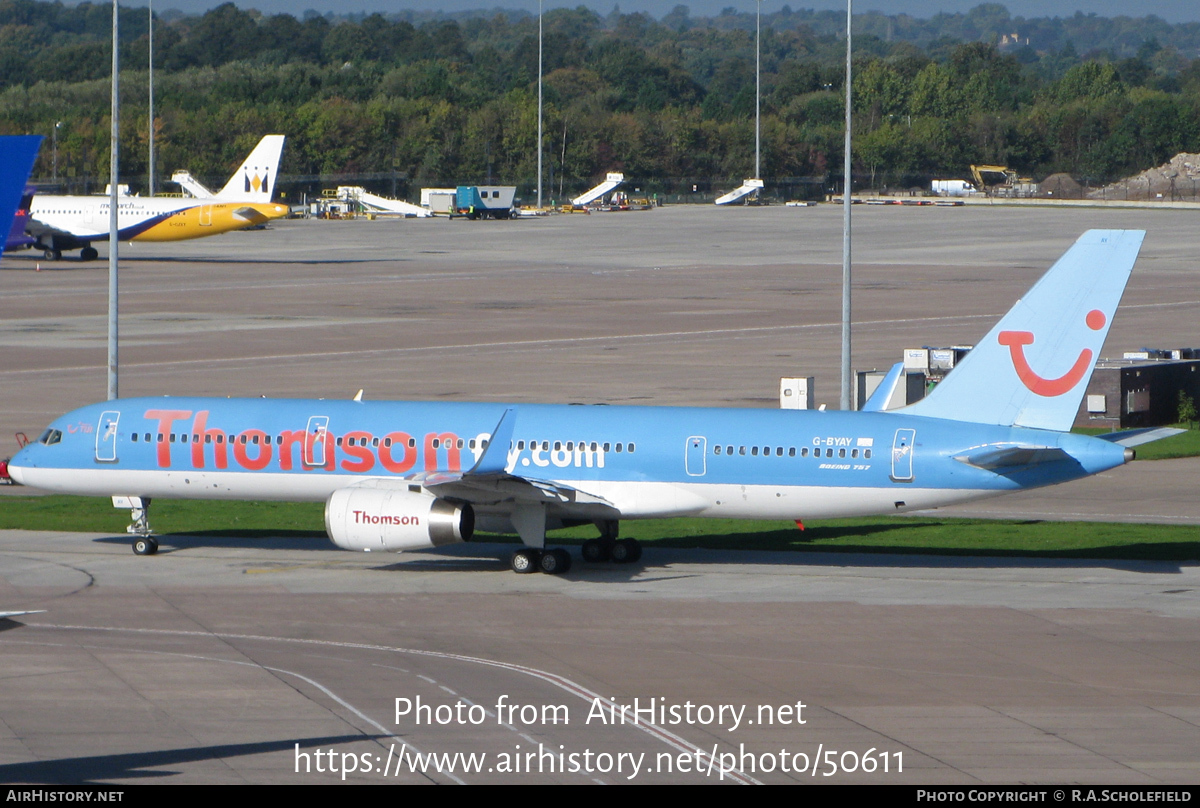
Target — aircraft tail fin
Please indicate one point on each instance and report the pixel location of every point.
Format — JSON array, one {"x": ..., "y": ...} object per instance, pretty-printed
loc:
[
  {"x": 254, "y": 181},
  {"x": 17, "y": 153},
  {"x": 1033, "y": 367}
]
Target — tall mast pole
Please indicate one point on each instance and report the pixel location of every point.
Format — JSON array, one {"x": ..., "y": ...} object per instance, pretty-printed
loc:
[
  {"x": 151, "y": 97},
  {"x": 539, "y": 194},
  {"x": 847, "y": 395},
  {"x": 758, "y": 92},
  {"x": 113, "y": 200}
]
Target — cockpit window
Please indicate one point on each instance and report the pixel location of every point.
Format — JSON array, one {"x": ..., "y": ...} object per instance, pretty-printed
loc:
[{"x": 50, "y": 437}]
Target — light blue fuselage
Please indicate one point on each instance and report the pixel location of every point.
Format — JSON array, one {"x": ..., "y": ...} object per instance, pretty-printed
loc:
[{"x": 643, "y": 461}]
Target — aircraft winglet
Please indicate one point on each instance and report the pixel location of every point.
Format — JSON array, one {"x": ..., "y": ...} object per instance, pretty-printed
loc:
[
  {"x": 879, "y": 400},
  {"x": 494, "y": 459}
]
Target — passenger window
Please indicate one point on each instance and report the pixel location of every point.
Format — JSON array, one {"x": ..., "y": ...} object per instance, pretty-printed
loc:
[
  {"x": 594, "y": 442},
  {"x": 172, "y": 437},
  {"x": 867, "y": 454},
  {"x": 471, "y": 445},
  {"x": 841, "y": 452},
  {"x": 742, "y": 450},
  {"x": 791, "y": 451},
  {"x": 557, "y": 446},
  {"x": 804, "y": 451},
  {"x": 460, "y": 441},
  {"x": 412, "y": 442},
  {"x": 716, "y": 450},
  {"x": 375, "y": 441},
  {"x": 570, "y": 446},
  {"x": 619, "y": 448},
  {"x": 754, "y": 451},
  {"x": 520, "y": 444},
  {"x": 387, "y": 442},
  {"x": 135, "y": 437},
  {"x": 338, "y": 441},
  {"x": 631, "y": 447},
  {"x": 147, "y": 437},
  {"x": 779, "y": 449},
  {"x": 606, "y": 446},
  {"x": 854, "y": 452}
]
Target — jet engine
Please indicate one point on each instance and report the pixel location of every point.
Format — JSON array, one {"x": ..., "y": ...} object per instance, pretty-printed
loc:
[{"x": 388, "y": 517}]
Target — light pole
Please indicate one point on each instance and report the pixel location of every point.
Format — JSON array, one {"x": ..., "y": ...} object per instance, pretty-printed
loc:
[
  {"x": 57, "y": 126},
  {"x": 758, "y": 91},
  {"x": 846, "y": 397},
  {"x": 539, "y": 194},
  {"x": 151, "y": 97},
  {"x": 112, "y": 215}
]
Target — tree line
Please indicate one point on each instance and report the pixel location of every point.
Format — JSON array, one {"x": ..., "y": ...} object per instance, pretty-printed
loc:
[{"x": 444, "y": 99}]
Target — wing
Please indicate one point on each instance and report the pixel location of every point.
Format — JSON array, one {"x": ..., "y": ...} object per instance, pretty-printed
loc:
[{"x": 489, "y": 481}]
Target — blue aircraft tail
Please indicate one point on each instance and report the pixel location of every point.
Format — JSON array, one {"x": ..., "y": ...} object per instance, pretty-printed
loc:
[
  {"x": 1032, "y": 369},
  {"x": 17, "y": 153}
]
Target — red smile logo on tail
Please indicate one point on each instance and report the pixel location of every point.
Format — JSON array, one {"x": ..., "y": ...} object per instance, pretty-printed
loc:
[{"x": 1016, "y": 340}]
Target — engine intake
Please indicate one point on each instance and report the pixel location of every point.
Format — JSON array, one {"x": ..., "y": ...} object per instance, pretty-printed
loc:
[{"x": 370, "y": 517}]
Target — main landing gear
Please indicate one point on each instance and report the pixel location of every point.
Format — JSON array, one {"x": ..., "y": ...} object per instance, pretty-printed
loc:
[
  {"x": 144, "y": 542},
  {"x": 558, "y": 561},
  {"x": 609, "y": 548},
  {"x": 533, "y": 559}
]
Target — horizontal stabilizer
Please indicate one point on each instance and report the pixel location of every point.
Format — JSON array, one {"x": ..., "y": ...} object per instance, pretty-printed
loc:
[
  {"x": 993, "y": 457},
  {"x": 1136, "y": 437}
]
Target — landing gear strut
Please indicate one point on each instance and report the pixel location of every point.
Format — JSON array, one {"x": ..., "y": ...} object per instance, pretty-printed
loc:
[
  {"x": 609, "y": 548},
  {"x": 144, "y": 542}
]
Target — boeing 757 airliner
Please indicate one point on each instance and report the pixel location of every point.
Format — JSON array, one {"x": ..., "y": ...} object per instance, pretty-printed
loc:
[{"x": 408, "y": 475}]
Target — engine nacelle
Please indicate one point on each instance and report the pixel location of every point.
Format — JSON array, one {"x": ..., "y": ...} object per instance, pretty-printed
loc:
[{"x": 387, "y": 517}]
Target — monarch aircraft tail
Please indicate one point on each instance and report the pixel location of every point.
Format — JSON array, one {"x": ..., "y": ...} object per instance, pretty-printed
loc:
[
  {"x": 254, "y": 181},
  {"x": 1032, "y": 368}
]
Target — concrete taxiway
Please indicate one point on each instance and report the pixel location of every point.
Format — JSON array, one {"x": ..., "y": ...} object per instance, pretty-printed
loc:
[{"x": 212, "y": 661}]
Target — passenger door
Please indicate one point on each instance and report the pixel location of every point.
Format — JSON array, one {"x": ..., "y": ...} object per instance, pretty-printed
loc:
[
  {"x": 314, "y": 441},
  {"x": 695, "y": 454},
  {"x": 106, "y": 437},
  {"x": 902, "y": 455}
]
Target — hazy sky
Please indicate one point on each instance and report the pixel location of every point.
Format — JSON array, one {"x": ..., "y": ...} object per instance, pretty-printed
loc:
[{"x": 1170, "y": 10}]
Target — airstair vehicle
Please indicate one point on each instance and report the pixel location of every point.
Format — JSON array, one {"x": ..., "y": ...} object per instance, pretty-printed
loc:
[
  {"x": 380, "y": 204},
  {"x": 610, "y": 182},
  {"x": 739, "y": 194}
]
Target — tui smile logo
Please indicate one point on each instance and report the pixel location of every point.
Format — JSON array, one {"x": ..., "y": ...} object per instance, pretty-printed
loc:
[{"x": 1016, "y": 342}]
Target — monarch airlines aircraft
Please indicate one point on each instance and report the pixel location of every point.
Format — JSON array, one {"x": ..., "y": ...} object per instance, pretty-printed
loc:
[
  {"x": 60, "y": 223},
  {"x": 401, "y": 475}
]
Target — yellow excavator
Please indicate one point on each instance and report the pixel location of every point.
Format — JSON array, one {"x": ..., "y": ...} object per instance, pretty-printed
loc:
[{"x": 991, "y": 178}]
